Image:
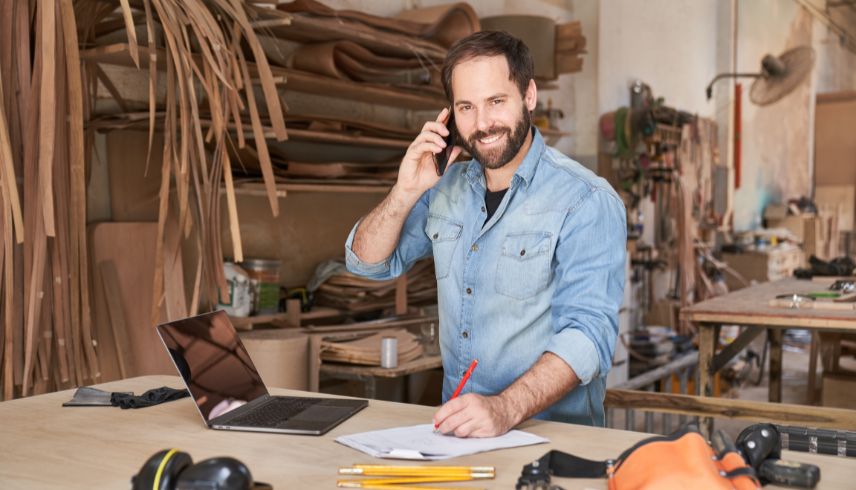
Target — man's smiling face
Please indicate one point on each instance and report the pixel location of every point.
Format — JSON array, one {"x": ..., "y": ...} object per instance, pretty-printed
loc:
[{"x": 491, "y": 115}]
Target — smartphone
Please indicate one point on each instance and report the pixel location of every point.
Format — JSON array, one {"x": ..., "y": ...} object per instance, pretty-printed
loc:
[{"x": 442, "y": 158}]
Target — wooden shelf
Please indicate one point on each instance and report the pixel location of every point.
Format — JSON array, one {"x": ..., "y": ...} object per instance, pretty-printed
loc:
[
  {"x": 282, "y": 190},
  {"x": 247, "y": 323},
  {"x": 418, "y": 365},
  {"x": 296, "y": 80}
]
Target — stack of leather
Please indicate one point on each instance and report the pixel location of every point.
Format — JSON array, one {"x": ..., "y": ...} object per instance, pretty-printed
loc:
[
  {"x": 322, "y": 129},
  {"x": 555, "y": 48},
  {"x": 406, "y": 51},
  {"x": 357, "y": 294},
  {"x": 364, "y": 349}
]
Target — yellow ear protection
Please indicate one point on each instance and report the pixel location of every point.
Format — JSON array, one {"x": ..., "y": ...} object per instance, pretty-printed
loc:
[
  {"x": 172, "y": 469},
  {"x": 161, "y": 470}
]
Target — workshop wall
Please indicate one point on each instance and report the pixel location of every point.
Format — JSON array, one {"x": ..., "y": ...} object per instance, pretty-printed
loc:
[
  {"x": 777, "y": 147},
  {"x": 836, "y": 65},
  {"x": 670, "y": 45}
]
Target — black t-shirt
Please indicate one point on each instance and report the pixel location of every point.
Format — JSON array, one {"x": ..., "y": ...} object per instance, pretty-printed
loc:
[{"x": 492, "y": 201}]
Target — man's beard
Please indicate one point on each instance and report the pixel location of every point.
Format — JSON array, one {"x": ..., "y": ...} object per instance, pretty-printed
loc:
[{"x": 498, "y": 157}]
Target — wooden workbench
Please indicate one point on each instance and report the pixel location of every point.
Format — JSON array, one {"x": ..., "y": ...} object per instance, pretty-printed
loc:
[
  {"x": 47, "y": 446},
  {"x": 751, "y": 307}
]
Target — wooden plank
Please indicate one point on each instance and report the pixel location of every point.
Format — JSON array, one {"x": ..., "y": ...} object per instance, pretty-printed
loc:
[
  {"x": 46, "y": 15},
  {"x": 7, "y": 172},
  {"x": 730, "y": 408},
  {"x": 112, "y": 292},
  {"x": 401, "y": 295},
  {"x": 175, "y": 294},
  {"x": 131, "y": 30},
  {"x": 282, "y": 319},
  {"x": 372, "y": 325},
  {"x": 263, "y": 153},
  {"x": 811, "y": 389},
  {"x": 707, "y": 339},
  {"x": 8, "y": 304},
  {"x": 250, "y": 189},
  {"x": 774, "y": 336},
  {"x": 131, "y": 247},
  {"x": 741, "y": 342}
]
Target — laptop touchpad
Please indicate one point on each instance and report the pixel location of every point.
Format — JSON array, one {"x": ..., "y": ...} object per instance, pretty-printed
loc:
[{"x": 319, "y": 413}]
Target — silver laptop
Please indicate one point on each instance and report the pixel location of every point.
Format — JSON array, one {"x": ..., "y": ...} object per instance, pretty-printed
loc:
[{"x": 228, "y": 390}]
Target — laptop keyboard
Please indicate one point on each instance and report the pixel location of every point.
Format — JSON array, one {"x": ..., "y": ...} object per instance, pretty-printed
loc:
[{"x": 276, "y": 411}]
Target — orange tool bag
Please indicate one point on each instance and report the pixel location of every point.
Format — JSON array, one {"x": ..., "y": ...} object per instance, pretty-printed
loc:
[{"x": 681, "y": 460}]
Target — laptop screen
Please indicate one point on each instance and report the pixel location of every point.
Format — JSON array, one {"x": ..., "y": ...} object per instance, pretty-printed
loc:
[{"x": 213, "y": 362}]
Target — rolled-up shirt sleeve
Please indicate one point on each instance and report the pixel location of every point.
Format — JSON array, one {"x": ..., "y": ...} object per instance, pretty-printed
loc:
[
  {"x": 413, "y": 244},
  {"x": 590, "y": 260}
]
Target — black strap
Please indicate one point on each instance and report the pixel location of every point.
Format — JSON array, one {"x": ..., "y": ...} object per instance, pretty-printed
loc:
[
  {"x": 743, "y": 471},
  {"x": 570, "y": 466},
  {"x": 536, "y": 475}
]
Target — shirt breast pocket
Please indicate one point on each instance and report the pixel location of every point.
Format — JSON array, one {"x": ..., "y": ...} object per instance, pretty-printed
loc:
[
  {"x": 444, "y": 235},
  {"x": 523, "y": 269}
]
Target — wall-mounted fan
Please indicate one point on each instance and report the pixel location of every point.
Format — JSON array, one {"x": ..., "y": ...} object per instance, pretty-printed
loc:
[{"x": 778, "y": 77}]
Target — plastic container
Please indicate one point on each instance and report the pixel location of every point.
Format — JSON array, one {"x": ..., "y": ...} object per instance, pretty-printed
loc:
[
  {"x": 264, "y": 277},
  {"x": 389, "y": 352},
  {"x": 240, "y": 301}
]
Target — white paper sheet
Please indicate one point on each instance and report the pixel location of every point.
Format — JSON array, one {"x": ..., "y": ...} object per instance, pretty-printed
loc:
[{"x": 422, "y": 443}]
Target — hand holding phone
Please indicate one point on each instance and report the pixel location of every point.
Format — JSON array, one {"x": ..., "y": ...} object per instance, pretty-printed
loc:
[{"x": 442, "y": 158}]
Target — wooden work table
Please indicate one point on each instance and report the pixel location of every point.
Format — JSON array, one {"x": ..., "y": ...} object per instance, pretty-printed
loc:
[
  {"x": 47, "y": 446},
  {"x": 751, "y": 307}
]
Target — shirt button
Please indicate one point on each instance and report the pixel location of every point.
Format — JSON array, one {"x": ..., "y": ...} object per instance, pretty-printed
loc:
[
  {"x": 522, "y": 253},
  {"x": 483, "y": 209},
  {"x": 436, "y": 236},
  {"x": 469, "y": 290},
  {"x": 474, "y": 248},
  {"x": 465, "y": 335}
]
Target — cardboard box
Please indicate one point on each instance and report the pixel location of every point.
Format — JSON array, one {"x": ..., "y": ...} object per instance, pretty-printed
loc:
[
  {"x": 837, "y": 200},
  {"x": 818, "y": 234},
  {"x": 838, "y": 390},
  {"x": 770, "y": 265},
  {"x": 281, "y": 356},
  {"x": 803, "y": 227}
]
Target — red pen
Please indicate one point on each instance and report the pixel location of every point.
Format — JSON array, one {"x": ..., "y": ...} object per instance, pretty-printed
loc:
[{"x": 463, "y": 382}]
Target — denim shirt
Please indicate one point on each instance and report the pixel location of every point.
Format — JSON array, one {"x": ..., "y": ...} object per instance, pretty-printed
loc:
[{"x": 544, "y": 274}]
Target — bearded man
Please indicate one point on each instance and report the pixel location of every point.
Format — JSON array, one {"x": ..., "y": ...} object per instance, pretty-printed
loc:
[{"x": 528, "y": 245}]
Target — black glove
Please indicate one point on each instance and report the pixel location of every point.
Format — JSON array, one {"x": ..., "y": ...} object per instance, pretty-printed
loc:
[{"x": 154, "y": 396}]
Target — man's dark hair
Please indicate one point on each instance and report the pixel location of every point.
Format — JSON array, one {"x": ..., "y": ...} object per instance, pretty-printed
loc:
[{"x": 521, "y": 68}]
